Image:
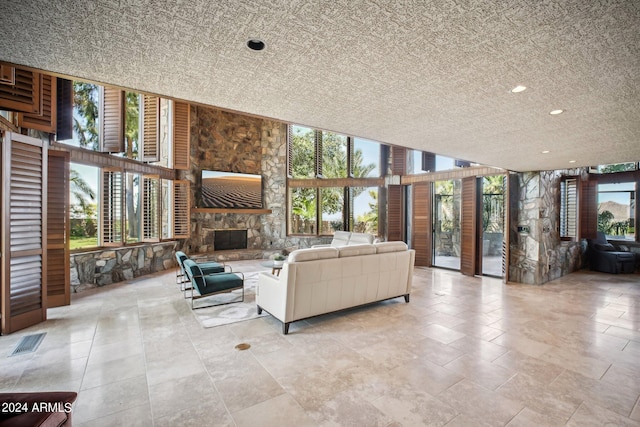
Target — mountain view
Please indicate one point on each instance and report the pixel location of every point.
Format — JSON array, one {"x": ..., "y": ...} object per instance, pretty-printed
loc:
[{"x": 620, "y": 212}]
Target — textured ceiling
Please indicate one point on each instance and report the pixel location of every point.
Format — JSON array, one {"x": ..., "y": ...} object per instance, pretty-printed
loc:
[{"x": 429, "y": 75}]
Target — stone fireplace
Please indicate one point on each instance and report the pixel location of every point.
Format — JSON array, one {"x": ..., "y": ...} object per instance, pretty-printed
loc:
[{"x": 229, "y": 239}]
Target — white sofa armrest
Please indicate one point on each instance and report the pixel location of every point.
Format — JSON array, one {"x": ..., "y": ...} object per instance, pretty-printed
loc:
[{"x": 271, "y": 294}]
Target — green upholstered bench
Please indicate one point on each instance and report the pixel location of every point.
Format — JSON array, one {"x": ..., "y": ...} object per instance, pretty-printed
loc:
[{"x": 211, "y": 284}]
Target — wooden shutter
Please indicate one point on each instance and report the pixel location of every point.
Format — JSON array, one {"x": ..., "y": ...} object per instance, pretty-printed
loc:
[
  {"x": 151, "y": 208},
  {"x": 111, "y": 120},
  {"x": 150, "y": 128},
  {"x": 588, "y": 203},
  {"x": 181, "y": 135},
  {"x": 398, "y": 160},
  {"x": 289, "y": 151},
  {"x": 7, "y": 74},
  {"x": 428, "y": 162},
  {"x": 64, "y": 109},
  {"x": 569, "y": 208},
  {"x": 58, "y": 256},
  {"x": 181, "y": 212},
  {"x": 395, "y": 213},
  {"x": 111, "y": 197},
  {"x": 19, "y": 89},
  {"x": 45, "y": 120},
  {"x": 468, "y": 225},
  {"x": 24, "y": 219},
  {"x": 318, "y": 152},
  {"x": 421, "y": 223}
]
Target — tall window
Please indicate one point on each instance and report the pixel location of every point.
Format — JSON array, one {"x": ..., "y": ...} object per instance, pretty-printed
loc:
[
  {"x": 364, "y": 213},
  {"x": 332, "y": 212},
  {"x": 302, "y": 145},
  {"x": 84, "y": 206},
  {"x": 616, "y": 210},
  {"x": 302, "y": 211},
  {"x": 323, "y": 193}
]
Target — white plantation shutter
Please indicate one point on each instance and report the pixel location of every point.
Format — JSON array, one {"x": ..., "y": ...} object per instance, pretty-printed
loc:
[
  {"x": 181, "y": 211},
  {"x": 151, "y": 208},
  {"x": 112, "y": 204}
]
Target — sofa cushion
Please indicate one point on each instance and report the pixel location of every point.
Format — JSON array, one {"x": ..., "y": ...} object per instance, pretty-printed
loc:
[
  {"x": 383, "y": 247},
  {"x": 355, "y": 250},
  {"x": 359, "y": 238},
  {"x": 340, "y": 238},
  {"x": 312, "y": 254}
]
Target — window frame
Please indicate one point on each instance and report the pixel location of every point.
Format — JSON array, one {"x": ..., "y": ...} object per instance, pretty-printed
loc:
[{"x": 319, "y": 182}]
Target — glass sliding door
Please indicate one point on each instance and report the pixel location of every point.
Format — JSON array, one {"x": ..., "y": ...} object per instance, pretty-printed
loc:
[
  {"x": 446, "y": 224},
  {"x": 492, "y": 225}
]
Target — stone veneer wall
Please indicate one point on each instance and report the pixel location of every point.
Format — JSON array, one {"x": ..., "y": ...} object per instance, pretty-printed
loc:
[
  {"x": 106, "y": 266},
  {"x": 232, "y": 142},
  {"x": 538, "y": 256}
]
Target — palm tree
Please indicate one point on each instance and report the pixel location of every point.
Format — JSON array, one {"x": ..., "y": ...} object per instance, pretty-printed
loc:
[
  {"x": 85, "y": 119},
  {"x": 81, "y": 190}
]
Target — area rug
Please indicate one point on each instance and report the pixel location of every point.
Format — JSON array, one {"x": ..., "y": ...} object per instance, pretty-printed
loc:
[{"x": 210, "y": 317}]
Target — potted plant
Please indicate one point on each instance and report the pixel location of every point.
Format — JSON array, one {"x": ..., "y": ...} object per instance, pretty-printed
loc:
[{"x": 278, "y": 259}]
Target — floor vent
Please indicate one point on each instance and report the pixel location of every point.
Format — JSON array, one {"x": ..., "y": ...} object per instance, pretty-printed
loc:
[{"x": 28, "y": 344}]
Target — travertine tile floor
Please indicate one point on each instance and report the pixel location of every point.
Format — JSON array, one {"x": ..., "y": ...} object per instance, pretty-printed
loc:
[{"x": 464, "y": 352}]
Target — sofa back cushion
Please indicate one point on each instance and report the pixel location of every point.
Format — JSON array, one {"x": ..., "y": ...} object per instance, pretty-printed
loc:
[
  {"x": 312, "y": 254},
  {"x": 360, "y": 238},
  {"x": 340, "y": 238},
  {"x": 356, "y": 250},
  {"x": 383, "y": 247}
]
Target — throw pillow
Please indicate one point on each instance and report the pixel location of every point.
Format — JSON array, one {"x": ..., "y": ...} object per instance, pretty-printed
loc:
[{"x": 623, "y": 248}]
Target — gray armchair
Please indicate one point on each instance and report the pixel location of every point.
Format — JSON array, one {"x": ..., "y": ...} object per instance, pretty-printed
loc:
[{"x": 604, "y": 257}]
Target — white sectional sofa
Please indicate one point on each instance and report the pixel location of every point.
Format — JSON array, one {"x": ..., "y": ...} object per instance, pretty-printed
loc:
[{"x": 322, "y": 280}]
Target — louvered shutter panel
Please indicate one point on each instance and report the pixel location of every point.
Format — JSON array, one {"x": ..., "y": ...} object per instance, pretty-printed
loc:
[
  {"x": 318, "y": 152},
  {"x": 395, "y": 215},
  {"x": 111, "y": 120},
  {"x": 58, "y": 257},
  {"x": 24, "y": 213},
  {"x": 64, "y": 109},
  {"x": 428, "y": 162},
  {"x": 181, "y": 135},
  {"x": 7, "y": 74},
  {"x": 150, "y": 118},
  {"x": 150, "y": 208},
  {"x": 181, "y": 211},
  {"x": 422, "y": 227},
  {"x": 45, "y": 121},
  {"x": 398, "y": 160},
  {"x": 569, "y": 208},
  {"x": 589, "y": 209},
  {"x": 468, "y": 225},
  {"x": 19, "y": 90},
  {"x": 290, "y": 151},
  {"x": 112, "y": 194}
]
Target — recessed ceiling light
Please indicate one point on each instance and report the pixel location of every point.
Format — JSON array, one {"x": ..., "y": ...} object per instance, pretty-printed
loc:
[
  {"x": 518, "y": 89},
  {"x": 255, "y": 44},
  {"x": 556, "y": 112},
  {"x": 545, "y": 152},
  {"x": 572, "y": 161}
]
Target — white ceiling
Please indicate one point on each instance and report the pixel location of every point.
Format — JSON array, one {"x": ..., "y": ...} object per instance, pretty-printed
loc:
[{"x": 430, "y": 75}]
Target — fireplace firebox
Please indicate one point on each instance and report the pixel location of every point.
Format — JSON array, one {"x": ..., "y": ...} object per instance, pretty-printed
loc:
[{"x": 229, "y": 239}]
